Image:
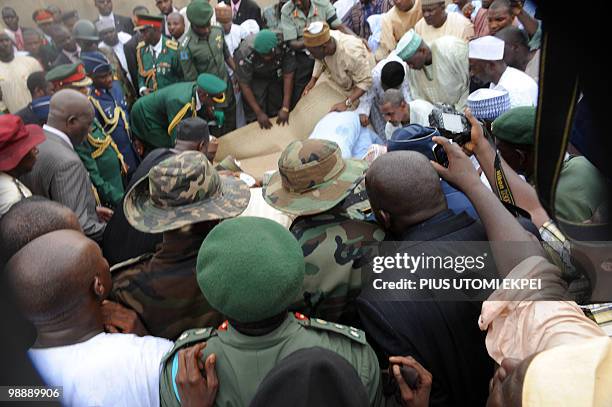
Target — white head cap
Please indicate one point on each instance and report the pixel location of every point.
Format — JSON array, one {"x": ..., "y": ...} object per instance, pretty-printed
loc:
[{"x": 488, "y": 48}]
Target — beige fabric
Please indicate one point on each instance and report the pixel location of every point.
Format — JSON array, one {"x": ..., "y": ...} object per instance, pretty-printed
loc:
[
  {"x": 350, "y": 66},
  {"x": 258, "y": 150},
  {"x": 576, "y": 375},
  {"x": 13, "y": 81},
  {"x": 449, "y": 77},
  {"x": 517, "y": 326},
  {"x": 259, "y": 207},
  {"x": 456, "y": 25},
  {"x": 394, "y": 24}
]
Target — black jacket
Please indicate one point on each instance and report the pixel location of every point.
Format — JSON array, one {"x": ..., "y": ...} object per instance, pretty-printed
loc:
[
  {"x": 442, "y": 335},
  {"x": 130, "y": 57},
  {"x": 248, "y": 10}
]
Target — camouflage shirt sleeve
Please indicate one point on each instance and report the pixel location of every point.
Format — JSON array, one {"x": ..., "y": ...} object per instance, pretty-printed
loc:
[{"x": 288, "y": 62}]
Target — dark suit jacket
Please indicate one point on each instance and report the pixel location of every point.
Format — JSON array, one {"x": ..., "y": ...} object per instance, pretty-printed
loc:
[
  {"x": 123, "y": 23},
  {"x": 28, "y": 116},
  {"x": 130, "y": 56},
  {"x": 442, "y": 335},
  {"x": 248, "y": 10},
  {"x": 60, "y": 175}
]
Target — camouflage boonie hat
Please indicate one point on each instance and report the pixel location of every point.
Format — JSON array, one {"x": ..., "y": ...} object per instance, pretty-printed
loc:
[
  {"x": 312, "y": 177},
  {"x": 182, "y": 190}
]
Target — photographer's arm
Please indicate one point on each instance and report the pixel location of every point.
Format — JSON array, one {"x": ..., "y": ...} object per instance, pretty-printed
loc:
[
  {"x": 524, "y": 194},
  {"x": 499, "y": 224}
]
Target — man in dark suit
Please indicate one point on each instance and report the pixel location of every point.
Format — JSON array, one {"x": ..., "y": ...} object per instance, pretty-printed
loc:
[
  {"x": 59, "y": 173},
  {"x": 122, "y": 23},
  {"x": 442, "y": 335},
  {"x": 245, "y": 10},
  {"x": 69, "y": 51}
]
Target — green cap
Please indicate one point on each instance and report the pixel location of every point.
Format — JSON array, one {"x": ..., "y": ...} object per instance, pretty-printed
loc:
[
  {"x": 516, "y": 126},
  {"x": 211, "y": 84},
  {"x": 408, "y": 45},
  {"x": 250, "y": 269},
  {"x": 312, "y": 177},
  {"x": 182, "y": 190},
  {"x": 265, "y": 41},
  {"x": 199, "y": 12},
  {"x": 68, "y": 75}
]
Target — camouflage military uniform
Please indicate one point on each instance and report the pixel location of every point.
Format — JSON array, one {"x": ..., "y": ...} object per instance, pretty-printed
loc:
[
  {"x": 333, "y": 249},
  {"x": 180, "y": 191},
  {"x": 312, "y": 183},
  {"x": 163, "y": 290},
  {"x": 243, "y": 361}
]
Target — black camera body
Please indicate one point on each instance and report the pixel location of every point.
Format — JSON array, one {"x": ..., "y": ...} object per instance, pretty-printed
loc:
[{"x": 450, "y": 123}]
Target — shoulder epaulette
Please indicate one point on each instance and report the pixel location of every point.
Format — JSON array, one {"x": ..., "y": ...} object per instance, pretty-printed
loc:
[
  {"x": 355, "y": 334},
  {"x": 185, "y": 40},
  {"x": 140, "y": 45},
  {"x": 190, "y": 337},
  {"x": 173, "y": 45},
  {"x": 130, "y": 262}
]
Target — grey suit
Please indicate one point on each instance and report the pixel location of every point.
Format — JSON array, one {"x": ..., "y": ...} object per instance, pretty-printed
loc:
[{"x": 60, "y": 176}]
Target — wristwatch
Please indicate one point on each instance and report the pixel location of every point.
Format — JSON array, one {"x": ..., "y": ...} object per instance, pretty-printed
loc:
[{"x": 348, "y": 103}]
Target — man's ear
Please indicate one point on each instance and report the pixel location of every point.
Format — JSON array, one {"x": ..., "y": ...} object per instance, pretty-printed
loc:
[
  {"x": 383, "y": 218},
  {"x": 100, "y": 289}
]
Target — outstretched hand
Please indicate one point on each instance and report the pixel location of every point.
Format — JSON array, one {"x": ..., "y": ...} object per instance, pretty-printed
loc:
[{"x": 418, "y": 396}]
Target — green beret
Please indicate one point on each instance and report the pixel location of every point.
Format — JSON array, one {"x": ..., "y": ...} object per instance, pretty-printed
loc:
[
  {"x": 516, "y": 126},
  {"x": 211, "y": 84},
  {"x": 265, "y": 41},
  {"x": 250, "y": 269},
  {"x": 199, "y": 12}
]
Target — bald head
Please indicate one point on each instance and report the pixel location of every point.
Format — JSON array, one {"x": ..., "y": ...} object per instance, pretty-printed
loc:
[
  {"x": 71, "y": 112},
  {"x": 516, "y": 49},
  {"x": 53, "y": 275},
  {"x": 30, "y": 218},
  {"x": 405, "y": 186}
]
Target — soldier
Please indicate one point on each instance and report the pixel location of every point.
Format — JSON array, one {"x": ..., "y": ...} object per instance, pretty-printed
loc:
[
  {"x": 86, "y": 35},
  {"x": 204, "y": 50},
  {"x": 98, "y": 151},
  {"x": 297, "y": 15},
  {"x": 315, "y": 184},
  {"x": 343, "y": 59},
  {"x": 253, "y": 289},
  {"x": 183, "y": 197},
  {"x": 154, "y": 117},
  {"x": 265, "y": 69},
  {"x": 110, "y": 105},
  {"x": 156, "y": 55}
]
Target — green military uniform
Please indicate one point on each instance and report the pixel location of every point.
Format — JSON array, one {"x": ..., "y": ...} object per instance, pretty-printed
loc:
[
  {"x": 293, "y": 21},
  {"x": 105, "y": 165},
  {"x": 182, "y": 190},
  {"x": 199, "y": 55},
  {"x": 257, "y": 283},
  {"x": 243, "y": 361},
  {"x": 265, "y": 78},
  {"x": 312, "y": 182},
  {"x": 158, "y": 71},
  {"x": 154, "y": 117}
]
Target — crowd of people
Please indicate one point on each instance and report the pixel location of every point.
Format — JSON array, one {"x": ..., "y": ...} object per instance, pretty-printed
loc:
[{"x": 153, "y": 272}]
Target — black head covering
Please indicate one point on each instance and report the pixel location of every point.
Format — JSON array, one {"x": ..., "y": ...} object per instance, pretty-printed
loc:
[{"x": 311, "y": 377}]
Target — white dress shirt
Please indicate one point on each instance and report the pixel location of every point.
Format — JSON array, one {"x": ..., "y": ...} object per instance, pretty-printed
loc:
[{"x": 59, "y": 134}]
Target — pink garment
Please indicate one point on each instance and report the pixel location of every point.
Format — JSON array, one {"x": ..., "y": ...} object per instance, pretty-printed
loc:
[
  {"x": 481, "y": 23},
  {"x": 235, "y": 7},
  {"x": 517, "y": 326}
]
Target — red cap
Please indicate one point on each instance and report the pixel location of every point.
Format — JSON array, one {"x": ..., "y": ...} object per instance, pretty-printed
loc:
[
  {"x": 143, "y": 21},
  {"x": 16, "y": 140},
  {"x": 43, "y": 16}
]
